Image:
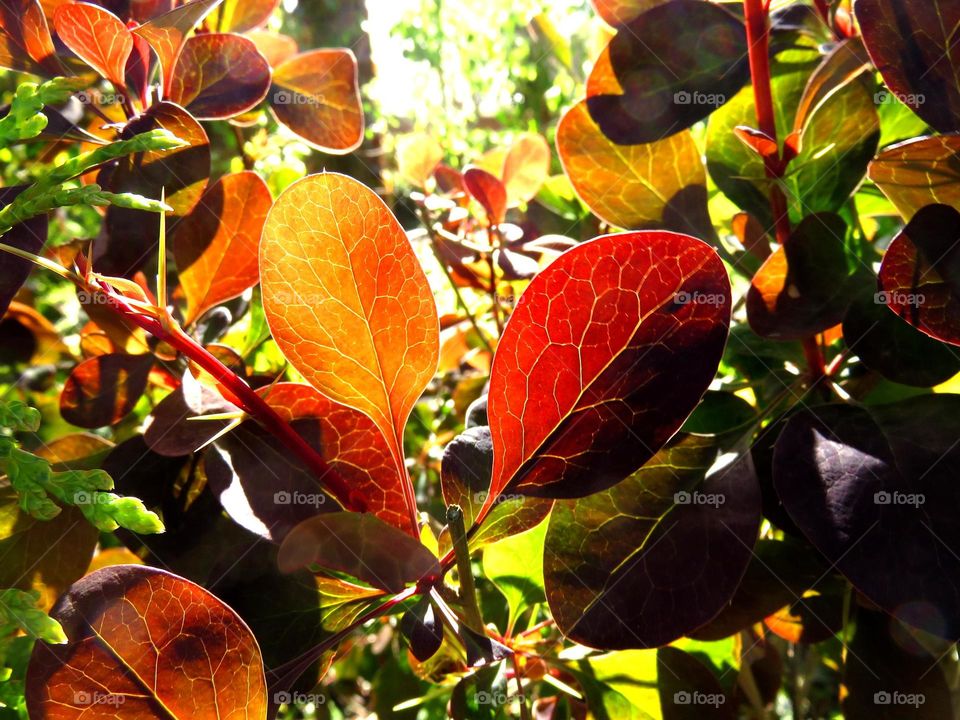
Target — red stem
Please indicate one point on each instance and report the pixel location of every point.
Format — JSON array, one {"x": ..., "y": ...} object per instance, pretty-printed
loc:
[
  {"x": 758, "y": 41},
  {"x": 250, "y": 402}
]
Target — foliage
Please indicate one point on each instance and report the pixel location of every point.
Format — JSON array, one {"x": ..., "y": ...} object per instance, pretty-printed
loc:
[{"x": 652, "y": 421}]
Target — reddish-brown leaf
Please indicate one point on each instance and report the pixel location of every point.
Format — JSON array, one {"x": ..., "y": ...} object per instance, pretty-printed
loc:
[
  {"x": 317, "y": 96},
  {"x": 219, "y": 75},
  {"x": 275, "y": 47},
  {"x": 24, "y": 33},
  {"x": 618, "y": 12},
  {"x": 526, "y": 167},
  {"x": 143, "y": 643},
  {"x": 348, "y": 303},
  {"x": 586, "y": 384},
  {"x": 487, "y": 190},
  {"x": 919, "y": 172},
  {"x": 920, "y": 274},
  {"x": 103, "y": 390},
  {"x": 215, "y": 246},
  {"x": 97, "y": 36},
  {"x": 168, "y": 32}
]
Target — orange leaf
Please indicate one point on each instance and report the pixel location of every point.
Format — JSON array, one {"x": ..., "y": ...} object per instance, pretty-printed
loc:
[
  {"x": 418, "y": 155},
  {"x": 215, "y": 246},
  {"x": 104, "y": 389},
  {"x": 143, "y": 643},
  {"x": 316, "y": 95},
  {"x": 526, "y": 167},
  {"x": 97, "y": 36},
  {"x": 348, "y": 303}
]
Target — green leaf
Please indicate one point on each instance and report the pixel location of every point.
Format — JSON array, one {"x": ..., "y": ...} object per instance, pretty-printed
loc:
[
  {"x": 19, "y": 608},
  {"x": 19, "y": 417},
  {"x": 515, "y": 566}
]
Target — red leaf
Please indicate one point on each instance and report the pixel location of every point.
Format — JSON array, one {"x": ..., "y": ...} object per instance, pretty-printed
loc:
[
  {"x": 104, "y": 389},
  {"x": 97, "y": 36},
  {"x": 586, "y": 385},
  {"x": 487, "y": 190}
]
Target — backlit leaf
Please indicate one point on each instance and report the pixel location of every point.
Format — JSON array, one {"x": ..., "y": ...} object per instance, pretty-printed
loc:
[
  {"x": 361, "y": 545},
  {"x": 661, "y": 184},
  {"x": 526, "y": 167},
  {"x": 168, "y": 32},
  {"x": 656, "y": 556},
  {"x": 143, "y": 643},
  {"x": 98, "y": 37},
  {"x": 239, "y": 16},
  {"x": 872, "y": 489},
  {"x": 509, "y": 516},
  {"x": 25, "y": 41},
  {"x": 617, "y": 12},
  {"x": 913, "y": 45},
  {"x": 515, "y": 565},
  {"x": 347, "y": 300},
  {"x": 465, "y": 471},
  {"x": 317, "y": 96},
  {"x": 919, "y": 172},
  {"x": 489, "y": 191},
  {"x": 30, "y": 236},
  {"x": 219, "y": 75},
  {"x": 920, "y": 274},
  {"x": 103, "y": 390},
  {"x": 215, "y": 246},
  {"x": 275, "y": 47},
  {"x": 587, "y": 362},
  {"x": 667, "y": 69},
  {"x": 418, "y": 155}
]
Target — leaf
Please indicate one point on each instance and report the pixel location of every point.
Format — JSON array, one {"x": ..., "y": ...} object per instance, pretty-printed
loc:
[
  {"x": 920, "y": 275},
  {"x": 618, "y": 12},
  {"x": 30, "y": 236},
  {"x": 240, "y": 16},
  {"x": 661, "y": 184},
  {"x": 913, "y": 46},
  {"x": 103, "y": 390},
  {"x": 656, "y": 556},
  {"x": 25, "y": 41},
  {"x": 316, "y": 94},
  {"x": 169, "y": 429},
  {"x": 218, "y": 76},
  {"x": 418, "y": 155},
  {"x": 168, "y": 32},
  {"x": 465, "y": 471},
  {"x": 215, "y": 246},
  {"x": 871, "y": 489},
  {"x": 19, "y": 608},
  {"x": 587, "y": 362},
  {"x": 147, "y": 644},
  {"x": 98, "y": 37},
  {"x": 511, "y": 515},
  {"x": 806, "y": 285},
  {"x": 688, "y": 689},
  {"x": 423, "y": 629},
  {"x": 620, "y": 685},
  {"x": 181, "y": 175},
  {"x": 526, "y": 167},
  {"x": 515, "y": 565},
  {"x": 360, "y": 545},
  {"x": 275, "y": 47},
  {"x": 487, "y": 190},
  {"x": 919, "y": 172},
  {"x": 667, "y": 69},
  {"x": 348, "y": 303},
  {"x": 891, "y": 346}
]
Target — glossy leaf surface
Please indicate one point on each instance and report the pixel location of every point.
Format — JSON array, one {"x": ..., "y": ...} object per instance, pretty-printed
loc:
[
  {"x": 661, "y": 184},
  {"x": 347, "y": 300},
  {"x": 913, "y": 45},
  {"x": 215, "y": 246},
  {"x": 656, "y": 556},
  {"x": 919, "y": 172},
  {"x": 587, "y": 362},
  {"x": 920, "y": 274},
  {"x": 101, "y": 391},
  {"x": 666, "y": 70},
  {"x": 316, "y": 95},
  {"x": 167, "y": 33},
  {"x": 219, "y": 75},
  {"x": 872, "y": 490},
  {"x": 98, "y": 37},
  {"x": 361, "y": 545}
]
